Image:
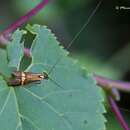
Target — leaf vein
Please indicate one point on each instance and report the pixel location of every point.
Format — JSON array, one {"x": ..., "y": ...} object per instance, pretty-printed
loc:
[
  {"x": 51, "y": 107},
  {"x": 18, "y": 112},
  {"x": 30, "y": 121},
  {"x": 63, "y": 91},
  {"x": 5, "y": 103}
]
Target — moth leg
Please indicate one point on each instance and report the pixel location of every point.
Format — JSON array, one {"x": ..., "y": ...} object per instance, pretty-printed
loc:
[
  {"x": 37, "y": 82},
  {"x": 32, "y": 83}
]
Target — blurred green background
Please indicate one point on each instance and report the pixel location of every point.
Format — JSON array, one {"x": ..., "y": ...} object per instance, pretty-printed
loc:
[{"x": 103, "y": 47}]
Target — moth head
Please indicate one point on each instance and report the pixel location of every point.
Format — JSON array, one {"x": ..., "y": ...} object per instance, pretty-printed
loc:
[{"x": 45, "y": 75}]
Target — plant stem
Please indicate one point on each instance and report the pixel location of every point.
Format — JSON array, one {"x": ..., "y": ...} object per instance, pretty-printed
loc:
[
  {"x": 109, "y": 84},
  {"x": 6, "y": 35},
  {"x": 118, "y": 114}
]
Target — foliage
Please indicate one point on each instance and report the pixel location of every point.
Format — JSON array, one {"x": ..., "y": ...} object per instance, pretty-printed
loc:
[{"x": 68, "y": 100}]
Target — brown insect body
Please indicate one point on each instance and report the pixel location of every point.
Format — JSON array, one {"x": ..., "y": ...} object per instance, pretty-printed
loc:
[{"x": 22, "y": 78}]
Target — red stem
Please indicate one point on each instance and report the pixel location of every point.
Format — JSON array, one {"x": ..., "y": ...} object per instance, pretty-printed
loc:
[
  {"x": 109, "y": 84},
  {"x": 26, "y": 17},
  {"x": 5, "y": 36},
  {"x": 118, "y": 114}
]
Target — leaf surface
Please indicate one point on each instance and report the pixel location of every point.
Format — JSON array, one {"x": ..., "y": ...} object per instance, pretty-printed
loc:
[{"x": 15, "y": 50}]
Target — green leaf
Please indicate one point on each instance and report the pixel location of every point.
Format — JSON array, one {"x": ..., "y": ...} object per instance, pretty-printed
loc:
[
  {"x": 68, "y": 100},
  {"x": 9, "y": 115},
  {"x": 15, "y": 50},
  {"x": 4, "y": 69}
]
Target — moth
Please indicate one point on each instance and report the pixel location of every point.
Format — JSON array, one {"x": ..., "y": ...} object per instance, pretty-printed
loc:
[{"x": 22, "y": 78}]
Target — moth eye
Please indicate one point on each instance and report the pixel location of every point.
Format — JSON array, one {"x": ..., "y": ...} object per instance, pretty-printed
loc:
[
  {"x": 41, "y": 76},
  {"x": 45, "y": 75}
]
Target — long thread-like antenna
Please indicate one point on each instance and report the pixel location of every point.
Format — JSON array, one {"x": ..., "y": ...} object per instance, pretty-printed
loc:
[
  {"x": 56, "y": 83},
  {"x": 77, "y": 35}
]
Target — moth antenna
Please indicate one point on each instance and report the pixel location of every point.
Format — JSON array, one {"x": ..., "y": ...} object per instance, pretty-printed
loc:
[
  {"x": 78, "y": 33},
  {"x": 58, "y": 85}
]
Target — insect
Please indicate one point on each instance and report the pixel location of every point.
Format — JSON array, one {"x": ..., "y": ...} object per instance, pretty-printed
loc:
[{"x": 22, "y": 78}]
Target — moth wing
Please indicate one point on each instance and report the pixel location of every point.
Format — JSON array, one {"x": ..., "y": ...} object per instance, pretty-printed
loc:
[{"x": 16, "y": 74}]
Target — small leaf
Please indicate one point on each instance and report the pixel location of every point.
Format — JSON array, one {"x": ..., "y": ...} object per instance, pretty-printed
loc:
[{"x": 15, "y": 50}]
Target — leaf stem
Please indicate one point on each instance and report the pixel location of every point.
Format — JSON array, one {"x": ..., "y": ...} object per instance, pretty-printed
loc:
[
  {"x": 109, "y": 84},
  {"x": 6, "y": 34},
  {"x": 118, "y": 114}
]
